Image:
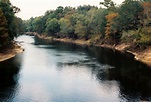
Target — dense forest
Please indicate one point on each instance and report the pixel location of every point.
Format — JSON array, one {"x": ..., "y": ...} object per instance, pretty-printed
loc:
[
  {"x": 10, "y": 25},
  {"x": 128, "y": 22}
]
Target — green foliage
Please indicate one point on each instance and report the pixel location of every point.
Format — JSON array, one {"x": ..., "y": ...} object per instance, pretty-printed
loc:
[
  {"x": 130, "y": 14},
  {"x": 19, "y": 25},
  {"x": 9, "y": 15},
  {"x": 146, "y": 0},
  {"x": 59, "y": 12},
  {"x": 9, "y": 24},
  {"x": 65, "y": 27},
  {"x": 100, "y": 22},
  {"x": 29, "y": 25},
  {"x": 141, "y": 37},
  {"x": 145, "y": 37},
  {"x": 123, "y": 22},
  {"x": 130, "y": 36},
  {"x": 109, "y": 4},
  {"x": 85, "y": 8},
  {"x": 38, "y": 25},
  {"x": 80, "y": 30},
  {"x": 52, "y": 26},
  {"x": 3, "y": 30},
  {"x": 145, "y": 40}
]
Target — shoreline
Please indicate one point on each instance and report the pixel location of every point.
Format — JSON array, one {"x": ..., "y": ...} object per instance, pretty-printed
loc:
[
  {"x": 10, "y": 52},
  {"x": 142, "y": 56}
]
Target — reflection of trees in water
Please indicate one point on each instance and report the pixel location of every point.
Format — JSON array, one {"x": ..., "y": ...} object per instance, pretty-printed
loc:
[
  {"x": 133, "y": 76},
  {"x": 135, "y": 81},
  {"x": 9, "y": 79}
]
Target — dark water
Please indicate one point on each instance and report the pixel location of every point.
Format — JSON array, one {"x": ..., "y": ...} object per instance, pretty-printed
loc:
[{"x": 59, "y": 72}]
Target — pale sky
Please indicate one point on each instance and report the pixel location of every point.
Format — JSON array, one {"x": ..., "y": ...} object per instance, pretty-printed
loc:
[{"x": 33, "y": 8}]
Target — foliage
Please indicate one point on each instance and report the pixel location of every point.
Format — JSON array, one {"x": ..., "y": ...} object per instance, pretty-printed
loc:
[
  {"x": 119, "y": 23},
  {"x": 3, "y": 30},
  {"x": 19, "y": 25},
  {"x": 141, "y": 37},
  {"x": 110, "y": 22},
  {"x": 52, "y": 26},
  {"x": 147, "y": 14},
  {"x": 145, "y": 40},
  {"x": 38, "y": 25},
  {"x": 65, "y": 27},
  {"x": 145, "y": 37},
  {"x": 9, "y": 24},
  {"x": 130, "y": 36},
  {"x": 130, "y": 14},
  {"x": 109, "y": 4},
  {"x": 9, "y": 11},
  {"x": 99, "y": 22}
]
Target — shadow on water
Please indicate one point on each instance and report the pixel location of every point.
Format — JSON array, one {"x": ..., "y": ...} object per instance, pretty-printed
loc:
[
  {"x": 60, "y": 46},
  {"x": 9, "y": 75},
  {"x": 133, "y": 76}
]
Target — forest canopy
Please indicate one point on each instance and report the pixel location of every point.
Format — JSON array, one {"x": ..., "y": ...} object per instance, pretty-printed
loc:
[
  {"x": 10, "y": 25},
  {"x": 128, "y": 22}
]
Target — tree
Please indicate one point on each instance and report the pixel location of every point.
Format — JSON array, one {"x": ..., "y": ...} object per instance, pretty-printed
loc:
[
  {"x": 68, "y": 11},
  {"x": 78, "y": 22},
  {"x": 52, "y": 26},
  {"x": 20, "y": 26},
  {"x": 100, "y": 21},
  {"x": 58, "y": 13},
  {"x": 80, "y": 30},
  {"x": 65, "y": 27},
  {"x": 110, "y": 22},
  {"x": 130, "y": 15},
  {"x": 3, "y": 30},
  {"x": 84, "y": 9},
  {"x": 147, "y": 12},
  {"x": 9, "y": 11},
  {"x": 38, "y": 25},
  {"x": 109, "y": 4},
  {"x": 90, "y": 25}
]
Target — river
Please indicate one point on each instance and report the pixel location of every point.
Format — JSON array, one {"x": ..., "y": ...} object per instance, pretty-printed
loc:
[{"x": 60, "y": 72}]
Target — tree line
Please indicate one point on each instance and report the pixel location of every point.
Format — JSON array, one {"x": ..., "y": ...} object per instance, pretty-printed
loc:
[
  {"x": 10, "y": 25},
  {"x": 110, "y": 24},
  {"x": 129, "y": 22}
]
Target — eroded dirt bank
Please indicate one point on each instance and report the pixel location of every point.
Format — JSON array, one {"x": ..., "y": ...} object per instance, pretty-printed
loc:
[
  {"x": 10, "y": 52},
  {"x": 142, "y": 56}
]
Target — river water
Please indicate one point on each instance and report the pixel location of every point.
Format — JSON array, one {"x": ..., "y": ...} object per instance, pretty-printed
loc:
[{"x": 60, "y": 72}]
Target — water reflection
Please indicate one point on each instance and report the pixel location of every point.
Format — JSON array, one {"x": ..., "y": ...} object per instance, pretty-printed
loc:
[
  {"x": 76, "y": 79},
  {"x": 60, "y": 72},
  {"x": 9, "y": 74},
  {"x": 115, "y": 70},
  {"x": 133, "y": 76}
]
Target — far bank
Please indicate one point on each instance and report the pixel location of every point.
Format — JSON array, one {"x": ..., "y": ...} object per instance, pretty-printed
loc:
[{"x": 143, "y": 56}]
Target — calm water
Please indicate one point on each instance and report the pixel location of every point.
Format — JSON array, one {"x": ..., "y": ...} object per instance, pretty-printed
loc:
[{"x": 58, "y": 72}]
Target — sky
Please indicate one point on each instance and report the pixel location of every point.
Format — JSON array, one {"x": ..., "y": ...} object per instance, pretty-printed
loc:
[{"x": 34, "y": 8}]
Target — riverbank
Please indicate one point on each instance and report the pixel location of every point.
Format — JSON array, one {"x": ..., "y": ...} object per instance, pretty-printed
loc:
[
  {"x": 10, "y": 52},
  {"x": 143, "y": 56}
]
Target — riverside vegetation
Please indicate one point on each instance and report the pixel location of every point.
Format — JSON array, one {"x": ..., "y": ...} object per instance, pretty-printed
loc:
[
  {"x": 125, "y": 27},
  {"x": 10, "y": 26}
]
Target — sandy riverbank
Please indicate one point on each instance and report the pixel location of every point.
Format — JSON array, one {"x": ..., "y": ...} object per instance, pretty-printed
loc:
[
  {"x": 10, "y": 52},
  {"x": 142, "y": 56}
]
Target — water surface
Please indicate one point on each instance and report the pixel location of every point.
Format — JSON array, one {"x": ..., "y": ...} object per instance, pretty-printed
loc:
[{"x": 59, "y": 72}]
